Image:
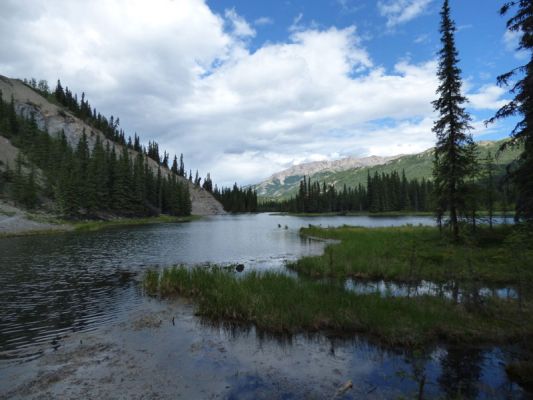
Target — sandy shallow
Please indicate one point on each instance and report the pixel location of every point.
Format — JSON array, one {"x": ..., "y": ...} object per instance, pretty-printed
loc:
[{"x": 164, "y": 352}]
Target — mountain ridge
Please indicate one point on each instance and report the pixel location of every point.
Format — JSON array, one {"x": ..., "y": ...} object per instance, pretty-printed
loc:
[{"x": 351, "y": 171}]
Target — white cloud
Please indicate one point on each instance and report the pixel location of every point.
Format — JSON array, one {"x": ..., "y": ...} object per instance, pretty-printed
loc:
[
  {"x": 423, "y": 38},
  {"x": 401, "y": 11},
  {"x": 296, "y": 26},
  {"x": 241, "y": 28},
  {"x": 263, "y": 21},
  {"x": 511, "y": 41},
  {"x": 487, "y": 98},
  {"x": 187, "y": 77}
]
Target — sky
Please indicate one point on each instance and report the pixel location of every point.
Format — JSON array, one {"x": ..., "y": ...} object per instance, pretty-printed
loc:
[{"x": 247, "y": 88}]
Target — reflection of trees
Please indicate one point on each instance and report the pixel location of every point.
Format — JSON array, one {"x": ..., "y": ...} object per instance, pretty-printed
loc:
[{"x": 461, "y": 371}]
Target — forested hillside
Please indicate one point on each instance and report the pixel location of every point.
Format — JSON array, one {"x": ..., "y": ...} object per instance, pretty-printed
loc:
[{"x": 87, "y": 168}]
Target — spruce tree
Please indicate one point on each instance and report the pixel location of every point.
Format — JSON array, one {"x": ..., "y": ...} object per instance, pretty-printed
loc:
[
  {"x": 454, "y": 148},
  {"x": 182, "y": 166},
  {"x": 174, "y": 168},
  {"x": 522, "y": 104}
]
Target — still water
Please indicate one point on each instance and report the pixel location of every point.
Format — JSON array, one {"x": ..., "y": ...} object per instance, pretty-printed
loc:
[
  {"x": 53, "y": 286},
  {"x": 62, "y": 283}
]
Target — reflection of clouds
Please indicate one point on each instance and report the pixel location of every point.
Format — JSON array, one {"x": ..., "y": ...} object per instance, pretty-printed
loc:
[{"x": 448, "y": 290}]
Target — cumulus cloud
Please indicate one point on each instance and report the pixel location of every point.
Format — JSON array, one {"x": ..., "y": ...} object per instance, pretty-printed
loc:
[
  {"x": 181, "y": 74},
  {"x": 401, "y": 11}
]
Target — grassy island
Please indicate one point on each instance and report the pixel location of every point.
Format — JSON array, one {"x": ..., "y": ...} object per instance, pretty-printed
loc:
[
  {"x": 411, "y": 254},
  {"x": 278, "y": 303}
]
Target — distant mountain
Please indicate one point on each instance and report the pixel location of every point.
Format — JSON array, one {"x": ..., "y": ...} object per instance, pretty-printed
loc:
[{"x": 352, "y": 171}]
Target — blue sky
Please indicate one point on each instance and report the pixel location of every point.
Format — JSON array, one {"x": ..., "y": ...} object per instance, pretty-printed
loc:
[{"x": 247, "y": 88}]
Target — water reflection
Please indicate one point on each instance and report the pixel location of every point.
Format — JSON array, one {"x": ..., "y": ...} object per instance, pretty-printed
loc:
[
  {"x": 316, "y": 366},
  {"x": 464, "y": 292},
  {"x": 323, "y": 366}
]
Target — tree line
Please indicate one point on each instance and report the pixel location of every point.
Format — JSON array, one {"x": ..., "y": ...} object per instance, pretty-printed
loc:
[
  {"x": 235, "y": 199},
  {"x": 110, "y": 127},
  {"x": 387, "y": 192},
  {"x": 85, "y": 181},
  {"x": 382, "y": 192}
]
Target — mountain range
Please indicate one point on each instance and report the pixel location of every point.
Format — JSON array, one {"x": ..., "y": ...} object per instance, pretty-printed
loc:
[{"x": 352, "y": 171}]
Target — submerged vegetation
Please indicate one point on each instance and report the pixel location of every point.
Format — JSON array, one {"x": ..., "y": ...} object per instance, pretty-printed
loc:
[
  {"x": 420, "y": 253},
  {"x": 278, "y": 303}
]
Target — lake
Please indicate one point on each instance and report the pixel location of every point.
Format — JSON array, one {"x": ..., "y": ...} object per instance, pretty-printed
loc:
[{"x": 59, "y": 286}]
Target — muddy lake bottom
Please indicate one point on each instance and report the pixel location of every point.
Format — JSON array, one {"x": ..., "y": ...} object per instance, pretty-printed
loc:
[{"x": 76, "y": 324}]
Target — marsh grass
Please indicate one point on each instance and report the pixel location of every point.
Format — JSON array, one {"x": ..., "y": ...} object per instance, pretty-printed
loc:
[
  {"x": 412, "y": 254},
  {"x": 281, "y": 304}
]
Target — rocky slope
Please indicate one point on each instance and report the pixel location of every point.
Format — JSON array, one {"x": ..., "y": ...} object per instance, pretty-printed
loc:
[{"x": 54, "y": 118}]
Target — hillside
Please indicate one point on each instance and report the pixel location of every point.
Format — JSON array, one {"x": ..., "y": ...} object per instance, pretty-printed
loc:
[
  {"x": 55, "y": 118},
  {"x": 352, "y": 171}
]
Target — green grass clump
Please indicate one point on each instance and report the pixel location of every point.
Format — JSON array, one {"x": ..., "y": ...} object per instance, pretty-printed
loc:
[
  {"x": 278, "y": 303},
  {"x": 417, "y": 253}
]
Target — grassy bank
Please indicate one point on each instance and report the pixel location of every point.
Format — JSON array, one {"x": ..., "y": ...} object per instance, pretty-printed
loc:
[
  {"x": 361, "y": 214},
  {"x": 53, "y": 225},
  {"x": 97, "y": 225},
  {"x": 418, "y": 253},
  {"x": 281, "y": 304},
  {"x": 480, "y": 214}
]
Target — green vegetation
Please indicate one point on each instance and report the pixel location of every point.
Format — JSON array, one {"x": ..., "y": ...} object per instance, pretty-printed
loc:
[
  {"x": 277, "y": 303},
  {"x": 416, "y": 166},
  {"x": 519, "y": 80},
  {"x": 419, "y": 253},
  {"x": 85, "y": 182},
  {"x": 455, "y": 152},
  {"x": 98, "y": 225},
  {"x": 235, "y": 199},
  {"x": 382, "y": 193},
  {"x": 93, "y": 225},
  {"x": 394, "y": 192}
]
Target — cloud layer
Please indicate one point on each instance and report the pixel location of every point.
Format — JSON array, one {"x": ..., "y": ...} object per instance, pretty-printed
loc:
[{"x": 177, "y": 72}]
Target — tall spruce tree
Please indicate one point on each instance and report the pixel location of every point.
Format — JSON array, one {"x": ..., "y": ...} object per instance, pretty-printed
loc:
[
  {"x": 522, "y": 104},
  {"x": 454, "y": 148}
]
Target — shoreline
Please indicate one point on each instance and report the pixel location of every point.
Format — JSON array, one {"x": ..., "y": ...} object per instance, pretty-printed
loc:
[
  {"x": 15, "y": 222},
  {"x": 480, "y": 214}
]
